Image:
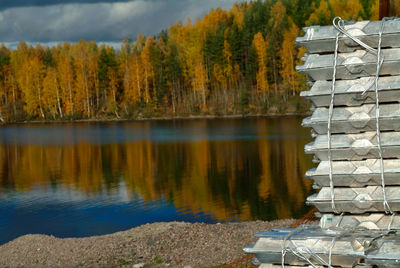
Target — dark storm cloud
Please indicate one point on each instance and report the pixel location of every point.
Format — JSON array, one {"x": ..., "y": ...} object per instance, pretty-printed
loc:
[
  {"x": 4, "y": 4},
  {"x": 101, "y": 20}
]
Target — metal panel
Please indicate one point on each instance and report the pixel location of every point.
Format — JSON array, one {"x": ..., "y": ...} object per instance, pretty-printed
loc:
[
  {"x": 356, "y": 173},
  {"x": 321, "y": 39},
  {"x": 355, "y": 119},
  {"x": 372, "y": 221},
  {"x": 355, "y": 146},
  {"x": 350, "y": 65},
  {"x": 356, "y": 200},
  {"x": 349, "y": 92}
]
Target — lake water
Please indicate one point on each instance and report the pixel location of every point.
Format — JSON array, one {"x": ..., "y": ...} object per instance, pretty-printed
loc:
[{"x": 82, "y": 179}]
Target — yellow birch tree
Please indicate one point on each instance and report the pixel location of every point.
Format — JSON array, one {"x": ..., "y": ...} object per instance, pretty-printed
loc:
[
  {"x": 287, "y": 54},
  {"x": 51, "y": 93},
  {"x": 347, "y": 9},
  {"x": 261, "y": 46}
]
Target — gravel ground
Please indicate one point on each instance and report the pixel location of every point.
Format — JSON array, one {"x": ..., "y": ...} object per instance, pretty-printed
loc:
[{"x": 174, "y": 244}]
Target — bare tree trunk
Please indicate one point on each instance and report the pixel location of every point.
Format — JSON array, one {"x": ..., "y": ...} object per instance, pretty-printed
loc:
[
  {"x": 275, "y": 83},
  {"x": 97, "y": 92},
  {"x": 40, "y": 102},
  {"x": 115, "y": 101},
  {"x": 87, "y": 93},
  {"x": 70, "y": 95},
  {"x": 137, "y": 78},
  {"x": 14, "y": 97},
  {"x": 153, "y": 80},
  {"x": 125, "y": 109},
  {"x": 292, "y": 75},
  {"x": 146, "y": 85},
  {"x": 1, "y": 116},
  {"x": 173, "y": 95},
  {"x": 203, "y": 90},
  {"x": 58, "y": 100}
]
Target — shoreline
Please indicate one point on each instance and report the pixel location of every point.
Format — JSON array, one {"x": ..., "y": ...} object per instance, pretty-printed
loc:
[
  {"x": 162, "y": 244},
  {"x": 139, "y": 119}
]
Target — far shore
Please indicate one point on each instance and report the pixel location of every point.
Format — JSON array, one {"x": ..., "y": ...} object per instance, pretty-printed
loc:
[{"x": 165, "y": 118}]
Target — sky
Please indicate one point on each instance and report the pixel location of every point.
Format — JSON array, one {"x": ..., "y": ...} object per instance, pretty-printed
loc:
[{"x": 109, "y": 21}]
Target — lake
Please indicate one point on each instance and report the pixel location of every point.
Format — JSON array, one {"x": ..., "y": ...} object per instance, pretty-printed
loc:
[{"x": 93, "y": 178}]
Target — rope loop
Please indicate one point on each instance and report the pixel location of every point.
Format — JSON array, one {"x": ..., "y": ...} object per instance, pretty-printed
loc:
[{"x": 339, "y": 24}]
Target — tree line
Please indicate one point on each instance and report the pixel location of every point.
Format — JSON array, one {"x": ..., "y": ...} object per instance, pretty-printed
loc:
[{"x": 236, "y": 61}]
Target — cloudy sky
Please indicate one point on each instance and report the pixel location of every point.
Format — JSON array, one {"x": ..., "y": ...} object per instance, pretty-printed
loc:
[{"x": 47, "y": 21}]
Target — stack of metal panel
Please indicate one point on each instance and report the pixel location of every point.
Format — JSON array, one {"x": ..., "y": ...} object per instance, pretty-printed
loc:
[{"x": 354, "y": 71}]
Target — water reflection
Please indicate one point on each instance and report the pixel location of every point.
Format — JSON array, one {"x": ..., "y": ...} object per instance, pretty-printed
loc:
[{"x": 227, "y": 169}]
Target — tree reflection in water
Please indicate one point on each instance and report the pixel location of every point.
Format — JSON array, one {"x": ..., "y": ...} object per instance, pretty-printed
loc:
[{"x": 233, "y": 169}]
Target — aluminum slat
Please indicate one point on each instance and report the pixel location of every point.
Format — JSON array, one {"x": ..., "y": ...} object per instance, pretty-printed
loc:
[
  {"x": 350, "y": 65},
  {"x": 355, "y": 146},
  {"x": 354, "y": 119},
  {"x": 356, "y": 173},
  {"x": 349, "y": 92},
  {"x": 321, "y": 39}
]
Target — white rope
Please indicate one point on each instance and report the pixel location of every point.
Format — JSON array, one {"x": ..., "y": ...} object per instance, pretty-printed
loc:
[
  {"x": 302, "y": 251},
  {"x": 330, "y": 252},
  {"x": 331, "y": 184},
  {"x": 299, "y": 252},
  {"x": 379, "y": 63},
  {"x": 340, "y": 219},
  {"x": 338, "y": 23},
  {"x": 283, "y": 245},
  {"x": 391, "y": 221}
]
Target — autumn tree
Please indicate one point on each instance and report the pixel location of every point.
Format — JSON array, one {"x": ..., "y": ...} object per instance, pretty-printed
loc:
[
  {"x": 31, "y": 84},
  {"x": 83, "y": 87},
  {"x": 277, "y": 22},
  {"x": 65, "y": 73},
  {"x": 131, "y": 71},
  {"x": 173, "y": 74},
  {"x": 112, "y": 104},
  {"x": 148, "y": 72},
  {"x": 322, "y": 14},
  {"x": 261, "y": 47},
  {"x": 107, "y": 60},
  {"x": 375, "y": 10},
  {"x": 347, "y": 9},
  {"x": 7, "y": 87},
  {"x": 125, "y": 65},
  {"x": 51, "y": 93},
  {"x": 288, "y": 55}
]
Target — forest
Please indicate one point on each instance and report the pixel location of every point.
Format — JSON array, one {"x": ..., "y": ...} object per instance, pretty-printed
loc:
[{"x": 230, "y": 62}]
